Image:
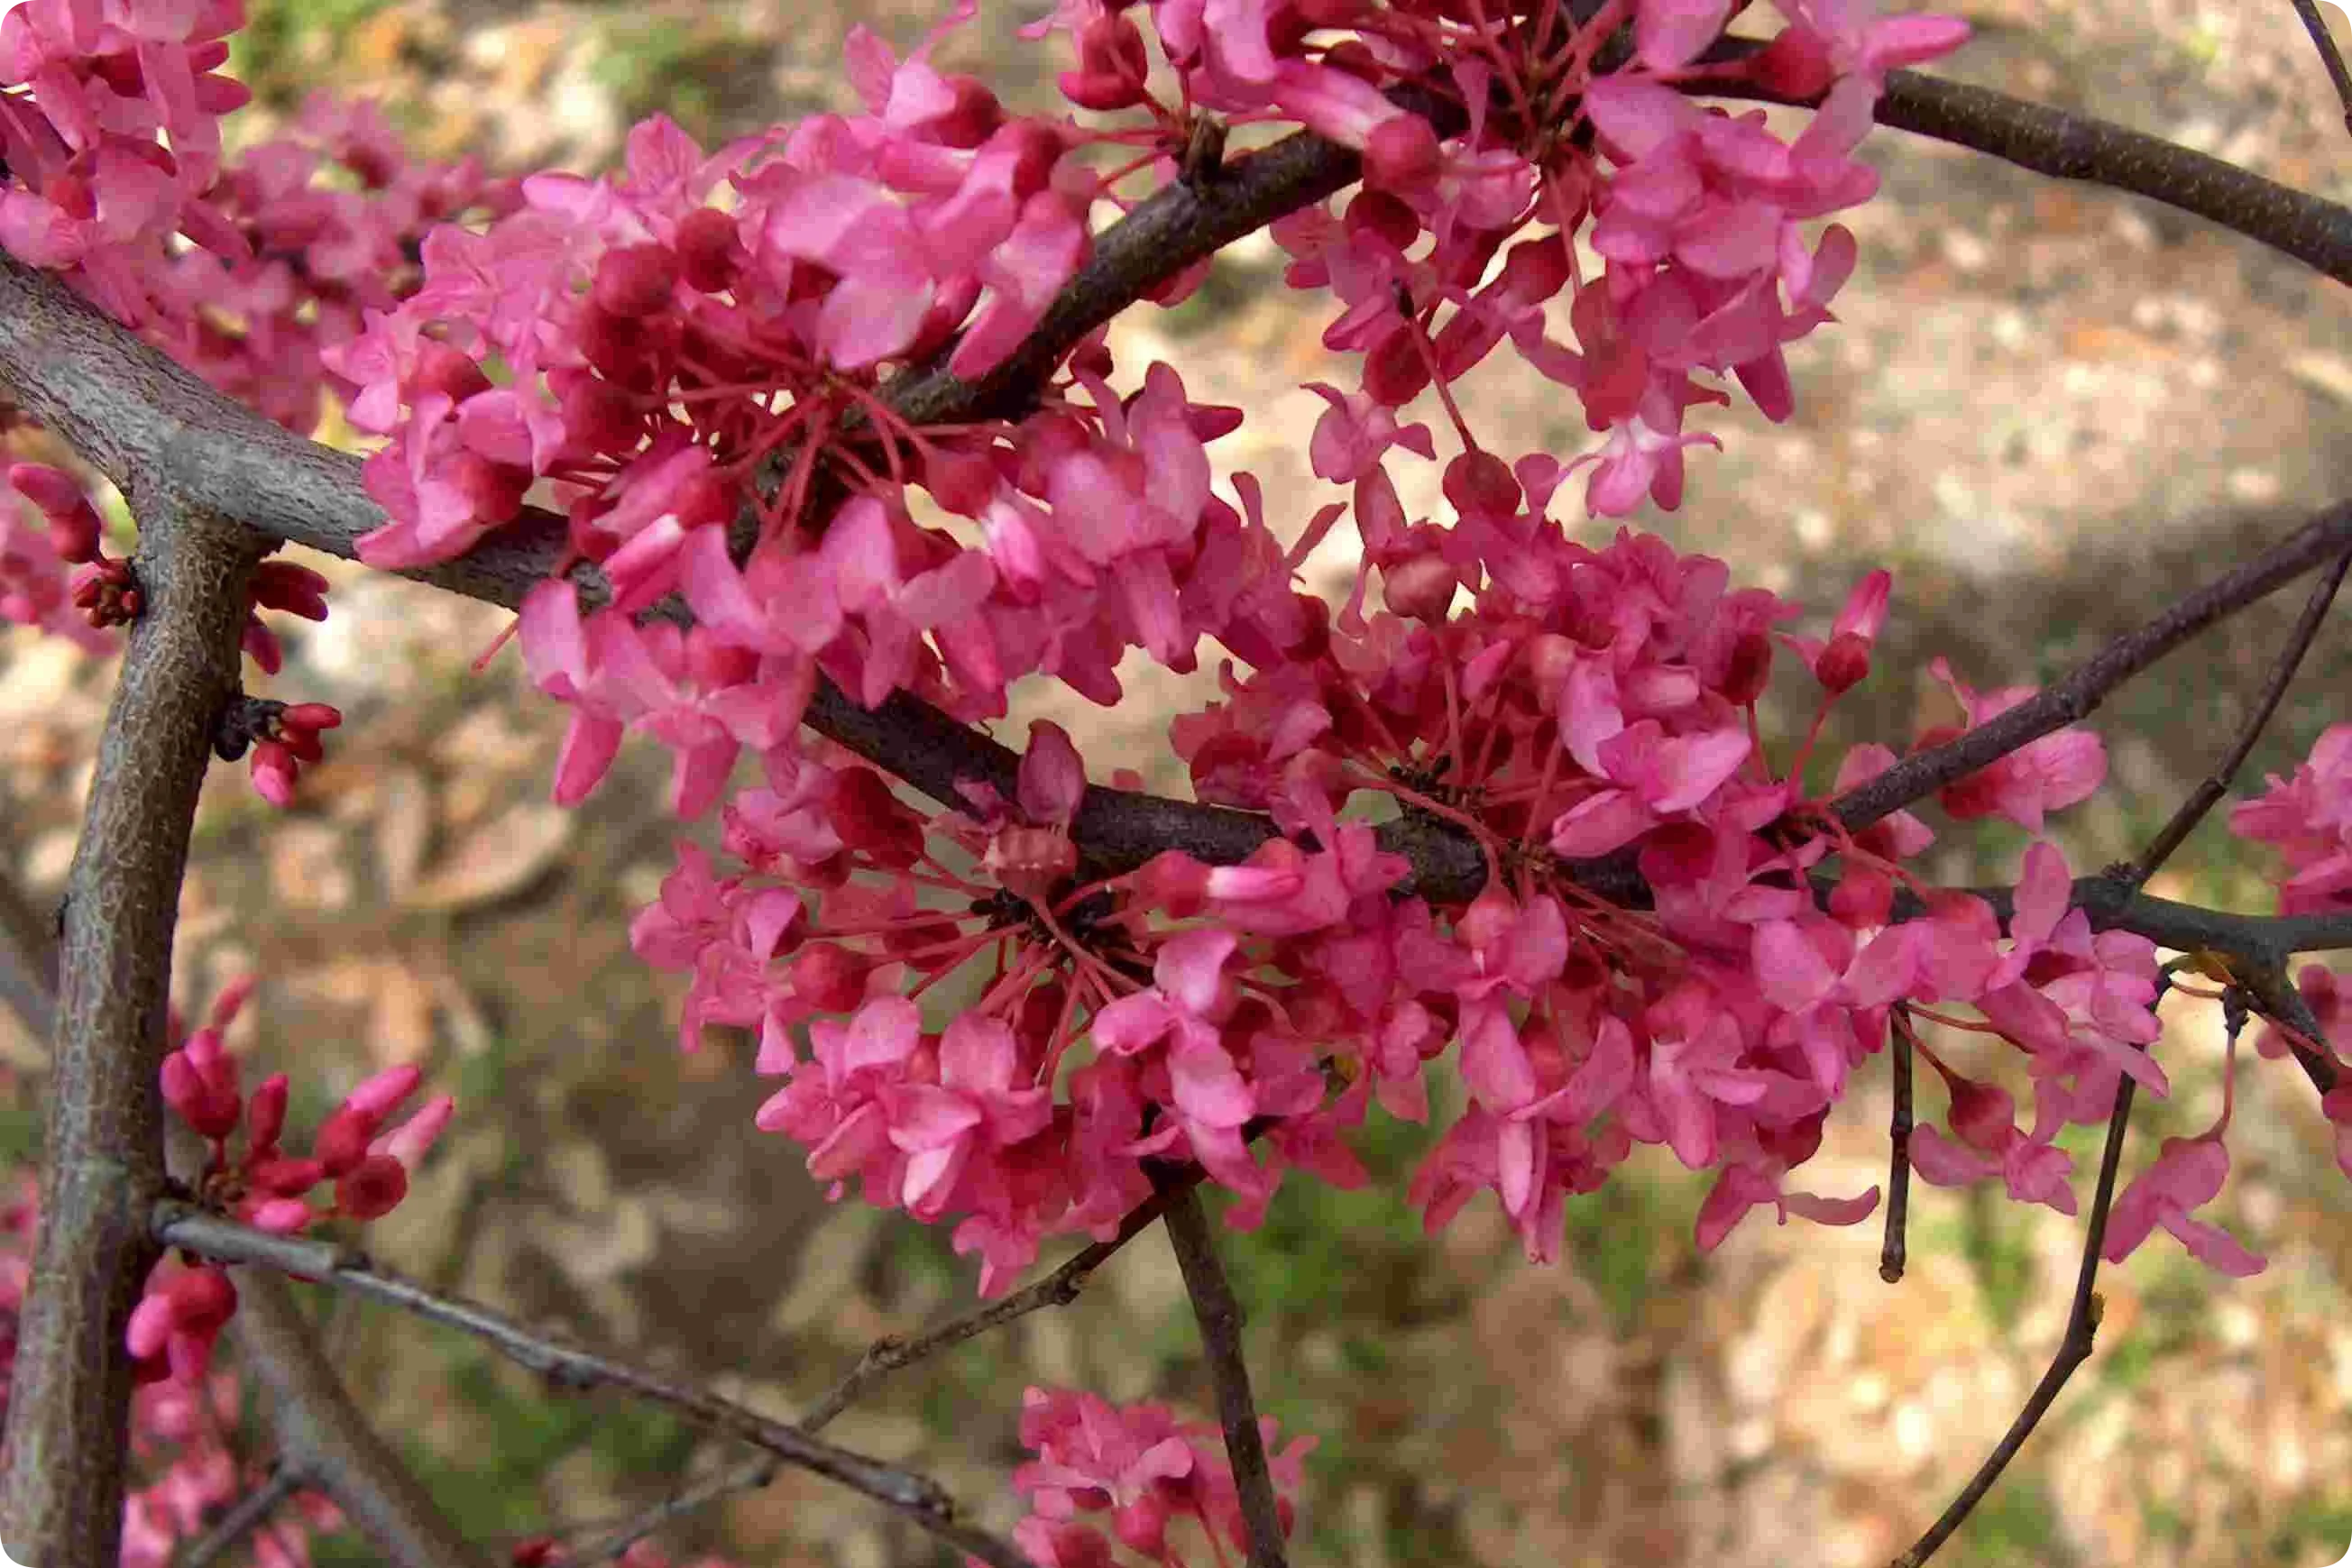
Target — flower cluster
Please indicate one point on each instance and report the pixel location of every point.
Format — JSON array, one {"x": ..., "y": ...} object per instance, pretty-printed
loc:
[
  {"x": 173, "y": 1328},
  {"x": 37, "y": 544},
  {"x": 181, "y": 1415},
  {"x": 1139, "y": 1464},
  {"x": 2308, "y": 819}
]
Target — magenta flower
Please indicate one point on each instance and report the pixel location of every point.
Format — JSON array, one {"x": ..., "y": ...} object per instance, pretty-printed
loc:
[{"x": 2188, "y": 1175}]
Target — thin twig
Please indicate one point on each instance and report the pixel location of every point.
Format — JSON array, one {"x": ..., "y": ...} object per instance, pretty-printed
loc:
[
  {"x": 1891, "y": 1253},
  {"x": 2316, "y": 25},
  {"x": 2217, "y": 783},
  {"x": 918, "y": 1497},
  {"x": 1220, "y": 1316},
  {"x": 2082, "y": 1330},
  {"x": 2076, "y": 695},
  {"x": 610, "y": 1543},
  {"x": 243, "y": 1518}
]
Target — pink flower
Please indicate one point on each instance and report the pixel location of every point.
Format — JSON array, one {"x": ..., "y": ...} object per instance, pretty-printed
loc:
[
  {"x": 2044, "y": 775},
  {"x": 981, "y": 1102},
  {"x": 2188, "y": 1175},
  {"x": 1750, "y": 1184}
]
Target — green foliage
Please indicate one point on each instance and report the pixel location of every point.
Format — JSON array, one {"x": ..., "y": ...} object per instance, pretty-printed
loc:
[
  {"x": 267, "y": 53},
  {"x": 1624, "y": 1238},
  {"x": 666, "y": 63},
  {"x": 1998, "y": 1245},
  {"x": 2017, "y": 1523},
  {"x": 1324, "y": 1255}
]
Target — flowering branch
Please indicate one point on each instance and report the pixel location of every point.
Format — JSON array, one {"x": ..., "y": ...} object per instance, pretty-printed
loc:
[
  {"x": 2217, "y": 783},
  {"x": 917, "y": 1497},
  {"x": 61, "y": 1473},
  {"x": 325, "y": 1443},
  {"x": 2312, "y": 229},
  {"x": 2078, "y": 694}
]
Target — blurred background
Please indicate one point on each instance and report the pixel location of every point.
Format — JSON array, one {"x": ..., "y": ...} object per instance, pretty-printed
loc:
[{"x": 2048, "y": 409}]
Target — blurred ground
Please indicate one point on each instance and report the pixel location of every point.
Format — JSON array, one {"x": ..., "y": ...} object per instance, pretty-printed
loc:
[{"x": 2049, "y": 410}]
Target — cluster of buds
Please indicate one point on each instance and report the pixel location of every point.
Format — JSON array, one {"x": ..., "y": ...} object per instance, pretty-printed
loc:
[
  {"x": 282, "y": 585},
  {"x": 282, "y": 735},
  {"x": 104, "y": 589},
  {"x": 173, "y": 1328},
  {"x": 268, "y": 1189}
]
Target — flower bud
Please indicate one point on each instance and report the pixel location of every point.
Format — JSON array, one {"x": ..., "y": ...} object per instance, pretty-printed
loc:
[
  {"x": 1843, "y": 664},
  {"x": 635, "y": 280},
  {"x": 371, "y": 1188},
  {"x": 708, "y": 251}
]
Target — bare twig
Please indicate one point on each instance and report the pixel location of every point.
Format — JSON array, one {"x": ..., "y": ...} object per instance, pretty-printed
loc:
[
  {"x": 1891, "y": 1253},
  {"x": 1057, "y": 1289},
  {"x": 2074, "y": 1349},
  {"x": 1220, "y": 1316},
  {"x": 610, "y": 1543},
  {"x": 2217, "y": 783},
  {"x": 2316, "y": 25},
  {"x": 61, "y": 1482},
  {"x": 918, "y": 1497},
  {"x": 243, "y": 1518}
]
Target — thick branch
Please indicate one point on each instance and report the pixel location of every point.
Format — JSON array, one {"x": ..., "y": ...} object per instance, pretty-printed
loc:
[
  {"x": 68, "y": 1410},
  {"x": 918, "y": 1497},
  {"x": 324, "y": 1439}
]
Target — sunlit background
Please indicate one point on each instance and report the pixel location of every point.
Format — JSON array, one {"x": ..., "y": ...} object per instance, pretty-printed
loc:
[{"x": 2046, "y": 409}]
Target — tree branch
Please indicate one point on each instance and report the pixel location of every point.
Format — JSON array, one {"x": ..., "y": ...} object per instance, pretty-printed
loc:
[
  {"x": 2316, "y": 25},
  {"x": 323, "y": 1437},
  {"x": 1058, "y": 1289},
  {"x": 2078, "y": 694},
  {"x": 2312, "y": 229},
  {"x": 916, "y": 1497},
  {"x": 244, "y": 1516},
  {"x": 1220, "y": 1316},
  {"x": 68, "y": 1410},
  {"x": 2074, "y": 1349},
  {"x": 2217, "y": 783},
  {"x": 1891, "y": 1251}
]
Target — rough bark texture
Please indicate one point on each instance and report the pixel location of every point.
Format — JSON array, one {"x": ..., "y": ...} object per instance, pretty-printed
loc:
[{"x": 60, "y": 1471}]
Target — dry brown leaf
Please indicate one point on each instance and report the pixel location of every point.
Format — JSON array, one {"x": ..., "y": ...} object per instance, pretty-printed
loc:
[
  {"x": 306, "y": 866},
  {"x": 404, "y": 827},
  {"x": 400, "y": 1030},
  {"x": 505, "y": 854}
]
